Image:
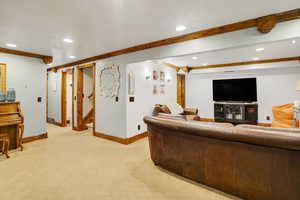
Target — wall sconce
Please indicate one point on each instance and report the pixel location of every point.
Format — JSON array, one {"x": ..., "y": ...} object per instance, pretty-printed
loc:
[{"x": 147, "y": 74}]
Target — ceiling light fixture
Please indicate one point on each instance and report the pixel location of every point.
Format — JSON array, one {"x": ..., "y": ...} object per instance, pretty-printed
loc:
[
  {"x": 256, "y": 58},
  {"x": 294, "y": 41},
  {"x": 67, "y": 40},
  {"x": 194, "y": 58},
  {"x": 260, "y": 49},
  {"x": 180, "y": 28},
  {"x": 72, "y": 57},
  {"x": 11, "y": 45}
]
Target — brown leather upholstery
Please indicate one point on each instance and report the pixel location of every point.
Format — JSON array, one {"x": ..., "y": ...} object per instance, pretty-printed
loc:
[
  {"x": 165, "y": 109},
  {"x": 283, "y": 116},
  {"x": 256, "y": 164},
  {"x": 189, "y": 113},
  {"x": 192, "y": 118}
]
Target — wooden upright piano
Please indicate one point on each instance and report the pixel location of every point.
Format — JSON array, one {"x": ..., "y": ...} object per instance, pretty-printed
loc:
[{"x": 12, "y": 123}]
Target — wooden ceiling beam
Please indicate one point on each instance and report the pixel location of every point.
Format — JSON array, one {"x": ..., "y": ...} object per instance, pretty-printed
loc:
[
  {"x": 87, "y": 66},
  {"x": 247, "y": 63},
  {"x": 170, "y": 65},
  {"x": 264, "y": 25},
  {"x": 44, "y": 58}
]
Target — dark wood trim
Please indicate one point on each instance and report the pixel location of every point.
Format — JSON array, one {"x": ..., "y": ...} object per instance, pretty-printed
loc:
[
  {"x": 177, "y": 68},
  {"x": 87, "y": 65},
  {"x": 94, "y": 92},
  {"x": 56, "y": 123},
  {"x": 207, "y": 120},
  {"x": 44, "y": 58},
  {"x": 75, "y": 128},
  {"x": 80, "y": 85},
  {"x": 280, "y": 17},
  {"x": 73, "y": 99},
  {"x": 79, "y": 100},
  {"x": 181, "y": 90},
  {"x": 47, "y": 97},
  {"x": 34, "y": 138},
  {"x": 266, "y": 24},
  {"x": 247, "y": 63},
  {"x": 64, "y": 99},
  {"x": 264, "y": 124},
  {"x": 125, "y": 141},
  {"x": 83, "y": 128}
]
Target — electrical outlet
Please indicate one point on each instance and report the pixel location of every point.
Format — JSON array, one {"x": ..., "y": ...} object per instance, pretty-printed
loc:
[
  {"x": 268, "y": 118},
  {"x": 117, "y": 99},
  {"x": 131, "y": 99},
  {"x": 139, "y": 127}
]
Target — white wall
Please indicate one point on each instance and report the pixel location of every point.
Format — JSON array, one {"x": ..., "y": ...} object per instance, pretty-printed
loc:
[
  {"x": 144, "y": 97},
  {"x": 111, "y": 115},
  {"x": 274, "y": 87},
  {"x": 28, "y": 77}
]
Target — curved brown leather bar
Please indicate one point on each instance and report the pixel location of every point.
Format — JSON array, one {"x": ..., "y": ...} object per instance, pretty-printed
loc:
[
  {"x": 226, "y": 132},
  {"x": 277, "y": 130}
]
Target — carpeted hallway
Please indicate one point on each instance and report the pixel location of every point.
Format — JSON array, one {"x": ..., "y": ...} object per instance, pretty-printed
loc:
[{"x": 72, "y": 166}]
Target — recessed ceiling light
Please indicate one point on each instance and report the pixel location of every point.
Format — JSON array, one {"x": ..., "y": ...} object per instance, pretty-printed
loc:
[
  {"x": 67, "y": 40},
  {"x": 11, "y": 45},
  {"x": 180, "y": 28},
  {"x": 294, "y": 41},
  {"x": 260, "y": 49},
  {"x": 72, "y": 57},
  {"x": 194, "y": 58},
  {"x": 256, "y": 58}
]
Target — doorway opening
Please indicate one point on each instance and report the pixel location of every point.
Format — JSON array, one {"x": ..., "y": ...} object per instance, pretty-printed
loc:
[
  {"x": 67, "y": 104},
  {"x": 86, "y": 97}
]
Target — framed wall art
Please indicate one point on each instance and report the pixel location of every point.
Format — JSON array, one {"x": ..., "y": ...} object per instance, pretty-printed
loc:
[
  {"x": 109, "y": 81},
  {"x": 155, "y": 75},
  {"x": 162, "y": 76}
]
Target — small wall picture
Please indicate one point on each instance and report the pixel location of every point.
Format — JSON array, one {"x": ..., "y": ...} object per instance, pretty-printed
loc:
[
  {"x": 155, "y": 89},
  {"x": 162, "y": 89},
  {"x": 155, "y": 75},
  {"x": 162, "y": 76}
]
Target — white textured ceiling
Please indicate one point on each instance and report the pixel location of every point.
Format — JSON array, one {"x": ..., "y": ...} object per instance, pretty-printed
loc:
[
  {"x": 272, "y": 50},
  {"x": 100, "y": 26}
]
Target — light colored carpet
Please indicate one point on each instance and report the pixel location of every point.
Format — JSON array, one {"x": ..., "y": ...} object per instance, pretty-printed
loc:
[{"x": 77, "y": 166}]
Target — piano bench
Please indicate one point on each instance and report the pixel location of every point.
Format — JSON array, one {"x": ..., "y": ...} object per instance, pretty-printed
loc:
[{"x": 5, "y": 140}]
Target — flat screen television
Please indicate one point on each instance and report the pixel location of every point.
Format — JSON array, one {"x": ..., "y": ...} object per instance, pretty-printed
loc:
[{"x": 243, "y": 89}]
